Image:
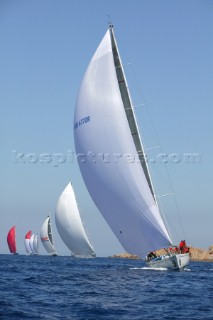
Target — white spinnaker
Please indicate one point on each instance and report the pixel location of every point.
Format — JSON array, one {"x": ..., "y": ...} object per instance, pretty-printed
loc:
[
  {"x": 115, "y": 181},
  {"x": 46, "y": 236},
  {"x": 31, "y": 244},
  {"x": 69, "y": 224},
  {"x": 27, "y": 246},
  {"x": 35, "y": 244}
]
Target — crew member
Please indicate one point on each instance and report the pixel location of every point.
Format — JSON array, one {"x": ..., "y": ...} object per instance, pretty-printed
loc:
[
  {"x": 151, "y": 255},
  {"x": 183, "y": 247}
]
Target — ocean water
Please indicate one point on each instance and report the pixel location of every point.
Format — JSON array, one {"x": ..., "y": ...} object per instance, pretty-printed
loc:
[{"x": 43, "y": 287}]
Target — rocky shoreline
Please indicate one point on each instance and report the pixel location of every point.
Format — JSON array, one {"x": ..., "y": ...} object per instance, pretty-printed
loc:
[{"x": 197, "y": 254}]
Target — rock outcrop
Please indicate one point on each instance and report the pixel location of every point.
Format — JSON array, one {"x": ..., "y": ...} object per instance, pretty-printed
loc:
[
  {"x": 125, "y": 255},
  {"x": 196, "y": 254}
]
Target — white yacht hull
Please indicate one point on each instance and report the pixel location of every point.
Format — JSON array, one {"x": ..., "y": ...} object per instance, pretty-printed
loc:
[{"x": 174, "y": 262}]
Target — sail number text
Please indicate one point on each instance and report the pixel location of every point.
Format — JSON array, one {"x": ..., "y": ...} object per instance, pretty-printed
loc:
[{"x": 81, "y": 122}]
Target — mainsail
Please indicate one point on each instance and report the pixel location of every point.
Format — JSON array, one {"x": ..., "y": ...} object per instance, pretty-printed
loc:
[
  {"x": 47, "y": 237},
  {"x": 27, "y": 242},
  {"x": 11, "y": 239},
  {"x": 108, "y": 144},
  {"x": 69, "y": 224}
]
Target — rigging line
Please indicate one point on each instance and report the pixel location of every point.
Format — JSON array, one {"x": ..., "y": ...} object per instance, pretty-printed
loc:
[
  {"x": 158, "y": 173},
  {"x": 127, "y": 100},
  {"x": 139, "y": 105},
  {"x": 109, "y": 21},
  {"x": 161, "y": 209},
  {"x": 158, "y": 140},
  {"x": 156, "y": 136},
  {"x": 123, "y": 65},
  {"x": 164, "y": 218},
  {"x": 147, "y": 149},
  {"x": 171, "y": 225},
  {"x": 165, "y": 195},
  {"x": 176, "y": 204},
  {"x": 84, "y": 224},
  {"x": 167, "y": 220},
  {"x": 168, "y": 183},
  {"x": 140, "y": 91},
  {"x": 144, "y": 124}
]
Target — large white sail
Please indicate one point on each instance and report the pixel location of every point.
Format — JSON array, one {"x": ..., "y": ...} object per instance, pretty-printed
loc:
[
  {"x": 69, "y": 224},
  {"x": 46, "y": 236},
  {"x": 108, "y": 158}
]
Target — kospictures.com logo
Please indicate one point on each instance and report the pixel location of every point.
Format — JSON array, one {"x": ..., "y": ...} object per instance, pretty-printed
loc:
[{"x": 58, "y": 158}]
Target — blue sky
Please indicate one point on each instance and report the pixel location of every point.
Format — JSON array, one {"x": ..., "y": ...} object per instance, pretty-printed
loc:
[{"x": 45, "y": 48}]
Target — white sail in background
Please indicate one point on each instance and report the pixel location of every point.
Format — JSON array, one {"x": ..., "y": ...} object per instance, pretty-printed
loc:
[
  {"x": 31, "y": 244},
  {"x": 27, "y": 242},
  {"x": 47, "y": 237},
  {"x": 104, "y": 141},
  {"x": 35, "y": 244},
  {"x": 69, "y": 224}
]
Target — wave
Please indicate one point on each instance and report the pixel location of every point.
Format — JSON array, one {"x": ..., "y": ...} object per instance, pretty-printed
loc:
[
  {"x": 187, "y": 269},
  {"x": 148, "y": 268}
]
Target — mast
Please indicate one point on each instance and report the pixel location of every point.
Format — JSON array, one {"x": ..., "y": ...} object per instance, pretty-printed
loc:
[{"x": 130, "y": 114}]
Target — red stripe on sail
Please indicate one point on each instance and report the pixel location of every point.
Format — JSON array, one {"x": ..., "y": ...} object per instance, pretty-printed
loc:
[
  {"x": 28, "y": 235},
  {"x": 44, "y": 239}
]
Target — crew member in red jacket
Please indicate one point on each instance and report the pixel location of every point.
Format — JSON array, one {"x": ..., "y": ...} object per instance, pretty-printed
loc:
[{"x": 183, "y": 247}]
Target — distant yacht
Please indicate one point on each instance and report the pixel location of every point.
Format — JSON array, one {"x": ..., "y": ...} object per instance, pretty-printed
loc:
[
  {"x": 47, "y": 237},
  {"x": 122, "y": 190},
  {"x": 27, "y": 242},
  {"x": 34, "y": 244},
  {"x": 11, "y": 240},
  {"x": 69, "y": 225}
]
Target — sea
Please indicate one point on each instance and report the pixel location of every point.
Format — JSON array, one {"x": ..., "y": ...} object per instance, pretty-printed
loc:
[{"x": 62, "y": 287}]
